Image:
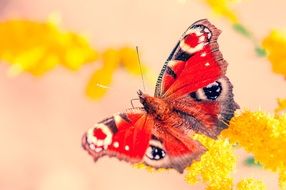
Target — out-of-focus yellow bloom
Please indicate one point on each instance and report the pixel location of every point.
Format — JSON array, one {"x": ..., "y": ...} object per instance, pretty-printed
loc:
[
  {"x": 223, "y": 8},
  {"x": 281, "y": 105},
  {"x": 282, "y": 179},
  {"x": 275, "y": 46},
  {"x": 251, "y": 184},
  {"x": 130, "y": 60},
  {"x": 215, "y": 166},
  {"x": 38, "y": 47},
  {"x": 264, "y": 136},
  {"x": 112, "y": 59},
  {"x": 101, "y": 79}
]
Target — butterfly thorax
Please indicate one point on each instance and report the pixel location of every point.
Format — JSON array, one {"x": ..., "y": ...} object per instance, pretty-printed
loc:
[{"x": 157, "y": 107}]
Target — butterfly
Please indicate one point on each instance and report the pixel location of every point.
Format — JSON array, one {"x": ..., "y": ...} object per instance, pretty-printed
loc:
[{"x": 192, "y": 96}]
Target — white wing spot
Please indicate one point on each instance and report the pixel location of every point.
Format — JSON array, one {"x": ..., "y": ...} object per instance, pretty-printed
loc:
[
  {"x": 203, "y": 54},
  {"x": 172, "y": 63},
  {"x": 206, "y": 30},
  {"x": 126, "y": 147},
  {"x": 91, "y": 139},
  {"x": 98, "y": 149},
  {"x": 117, "y": 118},
  {"x": 99, "y": 143},
  {"x": 207, "y": 64},
  {"x": 201, "y": 39},
  {"x": 116, "y": 144},
  {"x": 92, "y": 146}
]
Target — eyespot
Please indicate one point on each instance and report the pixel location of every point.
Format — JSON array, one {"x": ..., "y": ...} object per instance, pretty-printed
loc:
[
  {"x": 155, "y": 153},
  {"x": 203, "y": 29},
  {"x": 209, "y": 92},
  {"x": 198, "y": 26},
  {"x": 213, "y": 90}
]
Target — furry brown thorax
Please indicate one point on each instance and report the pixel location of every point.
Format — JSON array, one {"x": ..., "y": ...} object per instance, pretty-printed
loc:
[{"x": 155, "y": 106}]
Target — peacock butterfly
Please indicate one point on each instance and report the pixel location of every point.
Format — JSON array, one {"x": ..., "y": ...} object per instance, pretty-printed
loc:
[{"x": 192, "y": 95}]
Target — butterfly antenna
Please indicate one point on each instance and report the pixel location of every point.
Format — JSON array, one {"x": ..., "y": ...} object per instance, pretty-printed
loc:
[{"x": 140, "y": 66}]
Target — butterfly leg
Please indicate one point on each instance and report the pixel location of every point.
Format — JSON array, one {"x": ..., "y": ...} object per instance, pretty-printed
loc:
[{"x": 131, "y": 101}]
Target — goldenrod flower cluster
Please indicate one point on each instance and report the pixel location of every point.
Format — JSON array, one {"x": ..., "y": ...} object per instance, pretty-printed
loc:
[
  {"x": 282, "y": 179},
  {"x": 215, "y": 166},
  {"x": 262, "y": 135},
  {"x": 275, "y": 46},
  {"x": 250, "y": 184},
  {"x": 38, "y": 47}
]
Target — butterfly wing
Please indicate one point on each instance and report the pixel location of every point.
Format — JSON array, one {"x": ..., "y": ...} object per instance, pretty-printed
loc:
[
  {"x": 193, "y": 81},
  {"x": 172, "y": 149},
  {"x": 135, "y": 137},
  {"x": 125, "y": 136},
  {"x": 194, "y": 62}
]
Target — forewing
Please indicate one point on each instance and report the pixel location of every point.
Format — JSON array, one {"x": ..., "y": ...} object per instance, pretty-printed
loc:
[
  {"x": 195, "y": 62},
  {"x": 125, "y": 136},
  {"x": 193, "y": 81}
]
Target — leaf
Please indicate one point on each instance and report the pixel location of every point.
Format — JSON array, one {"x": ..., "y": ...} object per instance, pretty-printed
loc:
[
  {"x": 250, "y": 161},
  {"x": 242, "y": 30},
  {"x": 260, "y": 51}
]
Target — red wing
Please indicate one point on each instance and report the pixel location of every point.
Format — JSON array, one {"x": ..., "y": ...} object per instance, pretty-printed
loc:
[
  {"x": 172, "y": 149},
  {"x": 125, "y": 136},
  {"x": 194, "y": 63},
  {"x": 193, "y": 81}
]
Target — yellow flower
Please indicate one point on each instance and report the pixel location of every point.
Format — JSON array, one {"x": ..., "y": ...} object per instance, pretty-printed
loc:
[
  {"x": 130, "y": 60},
  {"x": 264, "y": 136},
  {"x": 282, "y": 179},
  {"x": 112, "y": 59},
  {"x": 261, "y": 134},
  {"x": 223, "y": 8},
  {"x": 281, "y": 105},
  {"x": 275, "y": 46},
  {"x": 215, "y": 166},
  {"x": 250, "y": 184},
  {"x": 38, "y": 47},
  {"x": 101, "y": 79}
]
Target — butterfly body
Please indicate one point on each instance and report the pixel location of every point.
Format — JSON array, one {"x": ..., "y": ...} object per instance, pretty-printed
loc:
[
  {"x": 159, "y": 108},
  {"x": 192, "y": 95}
]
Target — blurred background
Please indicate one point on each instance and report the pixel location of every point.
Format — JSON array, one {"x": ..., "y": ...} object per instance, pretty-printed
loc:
[{"x": 43, "y": 117}]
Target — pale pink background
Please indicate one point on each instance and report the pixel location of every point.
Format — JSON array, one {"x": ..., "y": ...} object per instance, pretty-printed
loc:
[{"x": 42, "y": 119}]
